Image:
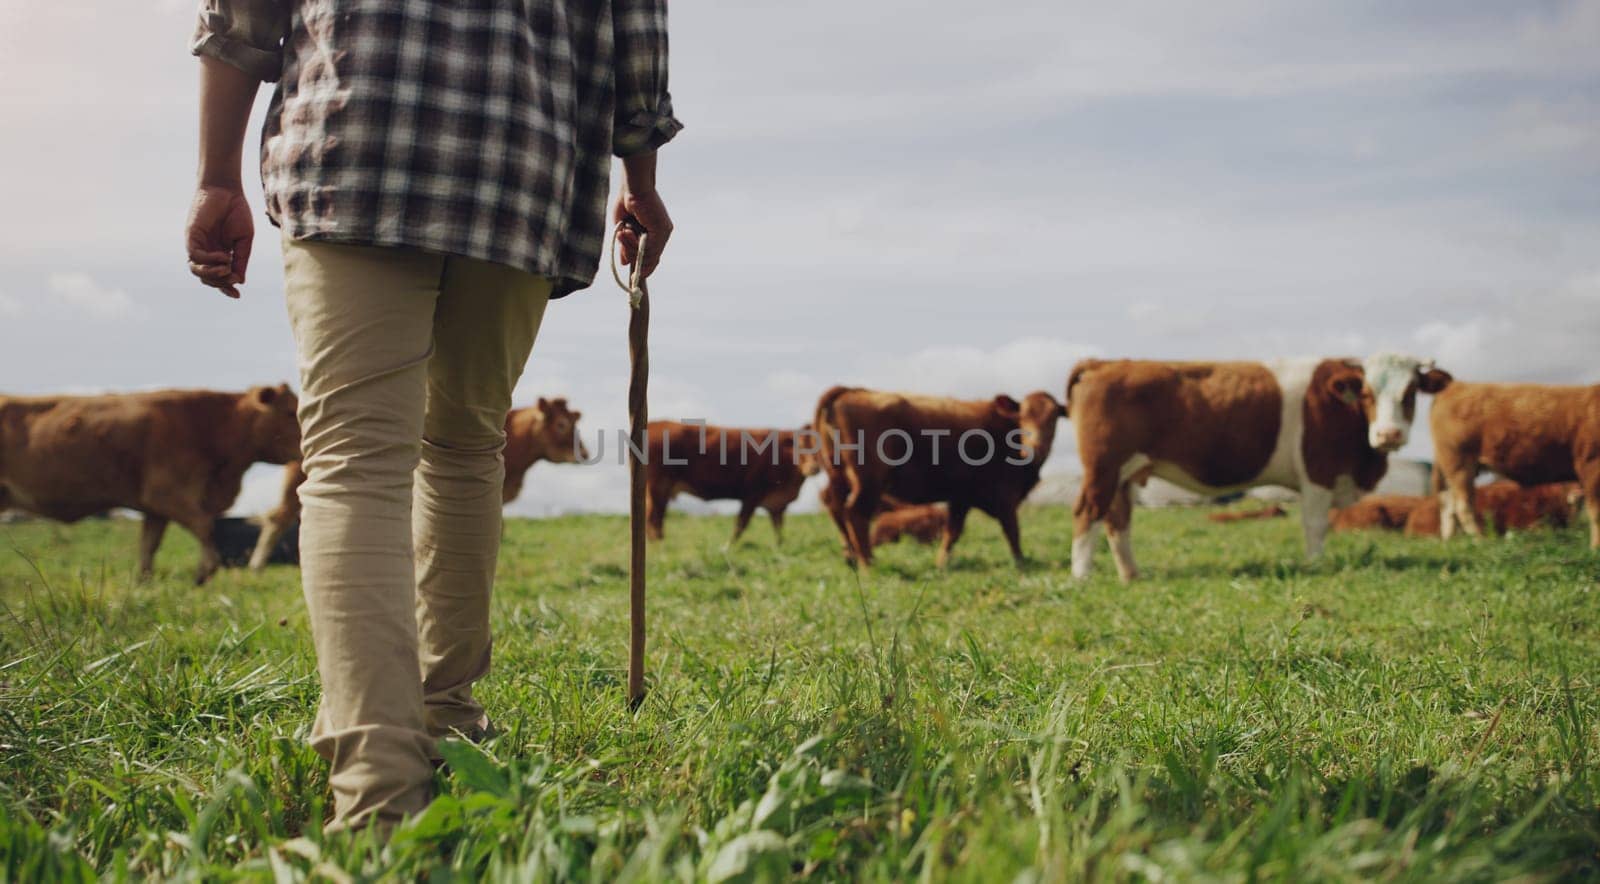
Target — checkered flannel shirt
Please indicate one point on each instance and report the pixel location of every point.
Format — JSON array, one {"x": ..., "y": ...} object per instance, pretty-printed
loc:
[{"x": 482, "y": 128}]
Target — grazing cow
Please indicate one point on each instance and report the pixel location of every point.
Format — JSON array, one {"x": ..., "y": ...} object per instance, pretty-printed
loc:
[
  {"x": 546, "y": 430},
  {"x": 1385, "y": 512},
  {"x": 983, "y": 455},
  {"x": 924, "y": 523},
  {"x": 1323, "y": 427},
  {"x": 175, "y": 455},
  {"x": 1507, "y": 506},
  {"x": 1527, "y": 433},
  {"x": 1230, "y": 517},
  {"x": 757, "y": 467}
]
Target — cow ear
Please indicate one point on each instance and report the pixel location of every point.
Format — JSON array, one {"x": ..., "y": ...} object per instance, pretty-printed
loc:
[
  {"x": 1007, "y": 407},
  {"x": 543, "y": 404},
  {"x": 1433, "y": 380},
  {"x": 265, "y": 396},
  {"x": 1346, "y": 387},
  {"x": 575, "y": 415}
]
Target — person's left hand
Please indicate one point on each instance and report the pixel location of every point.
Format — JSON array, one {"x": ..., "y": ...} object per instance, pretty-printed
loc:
[{"x": 219, "y": 237}]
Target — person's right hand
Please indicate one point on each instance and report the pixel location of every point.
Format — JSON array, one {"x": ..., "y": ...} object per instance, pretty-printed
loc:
[
  {"x": 219, "y": 237},
  {"x": 646, "y": 210}
]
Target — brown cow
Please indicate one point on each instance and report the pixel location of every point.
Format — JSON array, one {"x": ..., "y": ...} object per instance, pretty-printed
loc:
[
  {"x": 1386, "y": 512},
  {"x": 174, "y": 455},
  {"x": 546, "y": 430},
  {"x": 1527, "y": 433},
  {"x": 1507, "y": 506},
  {"x": 922, "y": 522},
  {"x": 757, "y": 467},
  {"x": 1323, "y": 427},
  {"x": 983, "y": 455}
]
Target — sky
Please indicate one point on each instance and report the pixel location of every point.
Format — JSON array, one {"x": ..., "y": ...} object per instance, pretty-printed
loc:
[{"x": 930, "y": 196}]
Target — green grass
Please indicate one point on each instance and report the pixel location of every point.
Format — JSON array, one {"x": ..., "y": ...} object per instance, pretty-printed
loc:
[{"x": 1403, "y": 710}]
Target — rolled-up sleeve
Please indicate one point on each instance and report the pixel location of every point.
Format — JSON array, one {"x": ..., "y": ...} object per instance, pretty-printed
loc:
[
  {"x": 644, "y": 119},
  {"x": 247, "y": 34}
]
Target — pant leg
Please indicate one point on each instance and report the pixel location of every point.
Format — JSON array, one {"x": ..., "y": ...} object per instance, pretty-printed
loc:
[
  {"x": 363, "y": 327},
  {"x": 487, "y": 318}
]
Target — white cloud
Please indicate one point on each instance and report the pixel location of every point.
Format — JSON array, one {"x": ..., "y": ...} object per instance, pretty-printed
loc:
[
  {"x": 10, "y": 306},
  {"x": 1018, "y": 367},
  {"x": 81, "y": 292}
]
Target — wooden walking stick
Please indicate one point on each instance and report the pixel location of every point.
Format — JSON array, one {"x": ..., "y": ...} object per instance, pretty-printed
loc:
[{"x": 638, "y": 417}]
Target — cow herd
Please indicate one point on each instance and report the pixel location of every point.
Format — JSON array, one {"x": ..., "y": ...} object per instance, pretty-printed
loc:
[{"x": 898, "y": 464}]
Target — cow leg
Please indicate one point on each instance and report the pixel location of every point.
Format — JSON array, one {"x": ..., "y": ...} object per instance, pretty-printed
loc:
[
  {"x": 1316, "y": 502},
  {"x": 1095, "y": 503},
  {"x": 1013, "y": 532},
  {"x": 954, "y": 523},
  {"x": 149, "y": 541},
  {"x": 1119, "y": 525},
  {"x": 655, "y": 511},
  {"x": 1457, "y": 505},
  {"x": 1589, "y": 481},
  {"x": 777, "y": 523},
  {"x": 201, "y": 525},
  {"x": 272, "y": 529},
  {"x": 835, "y": 498},
  {"x": 747, "y": 509}
]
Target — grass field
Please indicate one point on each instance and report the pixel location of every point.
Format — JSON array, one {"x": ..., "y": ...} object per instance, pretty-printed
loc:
[{"x": 1402, "y": 710}]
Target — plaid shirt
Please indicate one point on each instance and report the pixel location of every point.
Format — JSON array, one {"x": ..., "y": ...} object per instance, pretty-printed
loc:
[{"x": 482, "y": 128}]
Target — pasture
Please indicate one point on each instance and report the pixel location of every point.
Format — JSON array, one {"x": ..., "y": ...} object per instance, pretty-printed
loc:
[{"x": 1402, "y": 710}]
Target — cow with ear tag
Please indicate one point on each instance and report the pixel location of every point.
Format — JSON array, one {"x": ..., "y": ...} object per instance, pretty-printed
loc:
[
  {"x": 546, "y": 430},
  {"x": 1318, "y": 426}
]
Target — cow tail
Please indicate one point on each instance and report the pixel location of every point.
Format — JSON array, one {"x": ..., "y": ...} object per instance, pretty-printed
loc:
[
  {"x": 825, "y": 406},
  {"x": 1083, "y": 367}
]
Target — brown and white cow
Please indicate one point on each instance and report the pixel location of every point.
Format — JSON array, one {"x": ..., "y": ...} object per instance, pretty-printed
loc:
[
  {"x": 175, "y": 456},
  {"x": 984, "y": 455},
  {"x": 546, "y": 430},
  {"x": 1528, "y": 433},
  {"x": 758, "y": 467},
  {"x": 1321, "y": 426}
]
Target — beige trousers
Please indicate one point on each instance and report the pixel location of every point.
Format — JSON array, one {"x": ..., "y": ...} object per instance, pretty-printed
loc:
[{"x": 407, "y": 362}]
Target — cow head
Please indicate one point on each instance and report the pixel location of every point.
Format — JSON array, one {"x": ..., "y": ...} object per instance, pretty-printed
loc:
[
  {"x": 1385, "y": 388},
  {"x": 556, "y": 431},
  {"x": 1036, "y": 416},
  {"x": 271, "y": 415},
  {"x": 807, "y": 454}
]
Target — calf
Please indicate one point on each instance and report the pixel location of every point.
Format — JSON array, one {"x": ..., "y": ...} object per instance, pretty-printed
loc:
[
  {"x": 1323, "y": 427},
  {"x": 1229, "y": 517},
  {"x": 174, "y": 456},
  {"x": 923, "y": 522},
  {"x": 1507, "y": 507},
  {"x": 546, "y": 430},
  {"x": 757, "y": 467},
  {"x": 983, "y": 455},
  {"x": 1386, "y": 512},
  {"x": 1527, "y": 433}
]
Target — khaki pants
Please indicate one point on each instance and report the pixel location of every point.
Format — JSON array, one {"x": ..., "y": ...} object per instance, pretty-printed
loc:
[{"x": 407, "y": 362}]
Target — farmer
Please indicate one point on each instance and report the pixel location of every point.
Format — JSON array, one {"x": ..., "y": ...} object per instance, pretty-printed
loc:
[{"x": 439, "y": 171}]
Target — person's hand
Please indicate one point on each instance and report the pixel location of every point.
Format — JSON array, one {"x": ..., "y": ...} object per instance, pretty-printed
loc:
[
  {"x": 219, "y": 237},
  {"x": 639, "y": 204}
]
